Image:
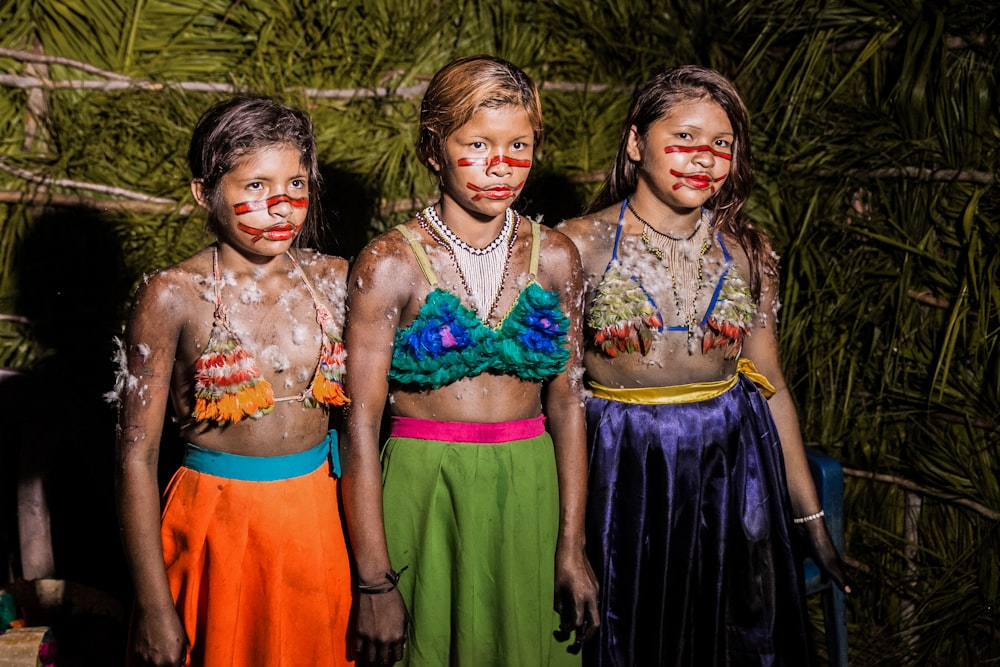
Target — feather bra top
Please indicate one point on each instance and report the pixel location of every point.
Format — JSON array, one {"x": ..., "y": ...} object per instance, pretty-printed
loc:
[
  {"x": 229, "y": 385},
  {"x": 622, "y": 317},
  {"x": 447, "y": 341}
]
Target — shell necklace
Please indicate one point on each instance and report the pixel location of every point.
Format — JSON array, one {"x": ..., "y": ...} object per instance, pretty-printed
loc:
[{"x": 483, "y": 271}]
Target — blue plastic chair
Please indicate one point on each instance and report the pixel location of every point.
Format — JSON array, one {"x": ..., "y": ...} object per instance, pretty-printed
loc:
[{"x": 828, "y": 475}]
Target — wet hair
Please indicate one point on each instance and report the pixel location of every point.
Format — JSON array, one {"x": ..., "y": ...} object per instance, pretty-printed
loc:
[
  {"x": 653, "y": 100},
  {"x": 233, "y": 130},
  {"x": 464, "y": 86}
]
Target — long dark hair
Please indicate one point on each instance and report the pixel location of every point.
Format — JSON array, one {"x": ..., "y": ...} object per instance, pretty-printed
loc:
[
  {"x": 653, "y": 100},
  {"x": 232, "y": 130}
]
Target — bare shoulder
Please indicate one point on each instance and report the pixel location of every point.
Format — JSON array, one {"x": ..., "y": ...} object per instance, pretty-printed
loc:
[
  {"x": 170, "y": 288},
  {"x": 559, "y": 267},
  {"x": 587, "y": 228},
  {"x": 736, "y": 251},
  {"x": 594, "y": 236},
  {"x": 327, "y": 267},
  {"x": 557, "y": 244},
  {"x": 387, "y": 261},
  {"x": 744, "y": 261},
  {"x": 168, "y": 298}
]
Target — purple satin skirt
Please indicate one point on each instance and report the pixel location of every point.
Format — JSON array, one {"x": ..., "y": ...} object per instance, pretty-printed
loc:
[{"x": 689, "y": 532}]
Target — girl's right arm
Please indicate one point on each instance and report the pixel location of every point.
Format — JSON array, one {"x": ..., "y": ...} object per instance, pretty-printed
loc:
[
  {"x": 149, "y": 349},
  {"x": 377, "y": 291}
]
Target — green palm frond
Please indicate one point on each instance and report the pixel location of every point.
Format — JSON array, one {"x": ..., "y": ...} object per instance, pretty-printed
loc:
[{"x": 876, "y": 145}]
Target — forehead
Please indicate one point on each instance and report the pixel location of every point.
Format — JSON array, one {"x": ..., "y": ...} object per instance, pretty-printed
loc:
[
  {"x": 274, "y": 156},
  {"x": 702, "y": 113},
  {"x": 504, "y": 121}
]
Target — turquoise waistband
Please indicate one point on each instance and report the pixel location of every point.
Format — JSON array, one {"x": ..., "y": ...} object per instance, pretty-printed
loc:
[{"x": 264, "y": 468}]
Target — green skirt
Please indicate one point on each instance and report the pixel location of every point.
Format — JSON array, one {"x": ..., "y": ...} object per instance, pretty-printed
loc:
[{"x": 476, "y": 525}]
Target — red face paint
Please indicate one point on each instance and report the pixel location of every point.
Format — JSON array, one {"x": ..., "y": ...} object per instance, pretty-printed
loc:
[
  {"x": 698, "y": 149},
  {"x": 494, "y": 191},
  {"x": 490, "y": 162},
  {"x": 262, "y": 204},
  {"x": 697, "y": 181},
  {"x": 279, "y": 232}
]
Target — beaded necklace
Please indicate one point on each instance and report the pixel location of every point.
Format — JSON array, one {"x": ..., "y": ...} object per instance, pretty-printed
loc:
[
  {"x": 647, "y": 228},
  {"x": 675, "y": 253},
  {"x": 483, "y": 271}
]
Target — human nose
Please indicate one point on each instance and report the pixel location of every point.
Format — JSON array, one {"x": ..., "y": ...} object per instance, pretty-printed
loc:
[
  {"x": 704, "y": 158},
  {"x": 280, "y": 205},
  {"x": 498, "y": 166}
]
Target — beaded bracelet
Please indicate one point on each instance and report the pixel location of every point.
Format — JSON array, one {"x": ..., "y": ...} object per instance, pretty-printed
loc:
[
  {"x": 377, "y": 589},
  {"x": 808, "y": 517}
]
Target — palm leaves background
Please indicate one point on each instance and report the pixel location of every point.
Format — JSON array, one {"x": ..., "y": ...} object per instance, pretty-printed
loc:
[{"x": 876, "y": 138}]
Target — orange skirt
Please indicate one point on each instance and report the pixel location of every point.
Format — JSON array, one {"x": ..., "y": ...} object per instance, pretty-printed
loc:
[{"x": 259, "y": 570}]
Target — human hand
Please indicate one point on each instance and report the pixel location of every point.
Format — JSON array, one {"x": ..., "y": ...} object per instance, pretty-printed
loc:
[
  {"x": 159, "y": 638},
  {"x": 575, "y": 598},
  {"x": 381, "y": 628},
  {"x": 823, "y": 551}
]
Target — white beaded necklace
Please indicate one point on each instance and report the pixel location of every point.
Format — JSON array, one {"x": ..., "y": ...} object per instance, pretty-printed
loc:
[{"x": 483, "y": 271}]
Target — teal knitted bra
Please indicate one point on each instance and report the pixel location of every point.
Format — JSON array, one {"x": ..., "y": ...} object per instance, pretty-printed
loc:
[{"x": 447, "y": 341}]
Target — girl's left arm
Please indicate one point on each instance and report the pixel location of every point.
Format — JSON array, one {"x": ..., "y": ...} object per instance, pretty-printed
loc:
[
  {"x": 576, "y": 585},
  {"x": 762, "y": 348}
]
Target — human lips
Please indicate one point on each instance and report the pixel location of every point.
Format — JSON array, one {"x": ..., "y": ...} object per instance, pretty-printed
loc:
[
  {"x": 698, "y": 181},
  {"x": 279, "y": 232},
  {"x": 497, "y": 192}
]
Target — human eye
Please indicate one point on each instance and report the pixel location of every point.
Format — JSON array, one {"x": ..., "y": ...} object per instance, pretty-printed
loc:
[
  {"x": 723, "y": 143},
  {"x": 298, "y": 183},
  {"x": 477, "y": 145},
  {"x": 519, "y": 146},
  {"x": 684, "y": 135},
  {"x": 255, "y": 186}
]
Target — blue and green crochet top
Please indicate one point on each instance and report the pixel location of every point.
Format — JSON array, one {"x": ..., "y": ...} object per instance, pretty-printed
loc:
[{"x": 447, "y": 341}]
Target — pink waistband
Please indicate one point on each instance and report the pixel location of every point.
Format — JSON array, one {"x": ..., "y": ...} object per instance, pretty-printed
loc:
[{"x": 491, "y": 433}]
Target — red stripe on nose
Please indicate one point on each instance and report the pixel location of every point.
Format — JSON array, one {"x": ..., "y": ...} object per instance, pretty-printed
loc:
[
  {"x": 262, "y": 204},
  {"x": 489, "y": 162},
  {"x": 698, "y": 149}
]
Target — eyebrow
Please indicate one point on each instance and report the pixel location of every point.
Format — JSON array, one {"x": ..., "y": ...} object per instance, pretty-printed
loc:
[
  {"x": 268, "y": 178},
  {"x": 521, "y": 137}
]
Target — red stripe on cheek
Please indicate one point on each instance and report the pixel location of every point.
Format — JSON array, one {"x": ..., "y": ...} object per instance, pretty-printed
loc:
[
  {"x": 249, "y": 207},
  {"x": 515, "y": 163}
]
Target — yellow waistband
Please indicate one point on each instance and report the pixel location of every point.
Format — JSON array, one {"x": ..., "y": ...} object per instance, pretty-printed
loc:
[{"x": 685, "y": 393}]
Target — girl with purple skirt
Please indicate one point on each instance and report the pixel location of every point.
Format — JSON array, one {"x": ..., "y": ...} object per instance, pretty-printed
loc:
[{"x": 698, "y": 474}]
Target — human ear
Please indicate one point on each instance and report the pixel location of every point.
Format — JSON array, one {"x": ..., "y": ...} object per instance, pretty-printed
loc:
[
  {"x": 634, "y": 145},
  {"x": 198, "y": 190},
  {"x": 434, "y": 165}
]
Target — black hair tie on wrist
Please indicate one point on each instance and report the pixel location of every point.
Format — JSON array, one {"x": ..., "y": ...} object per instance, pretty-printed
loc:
[{"x": 392, "y": 576}]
